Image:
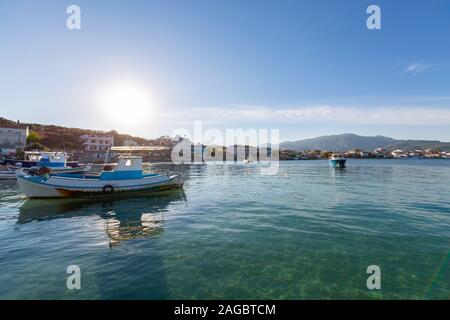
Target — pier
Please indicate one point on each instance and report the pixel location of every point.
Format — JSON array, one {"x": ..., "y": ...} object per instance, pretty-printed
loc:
[{"x": 202, "y": 153}]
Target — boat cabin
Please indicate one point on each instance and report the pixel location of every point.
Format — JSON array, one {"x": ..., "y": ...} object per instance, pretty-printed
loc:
[
  {"x": 336, "y": 156},
  {"x": 33, "y": 155},
  {"x": 128, "y": 167},
  {"x": 52, "y": 159}
]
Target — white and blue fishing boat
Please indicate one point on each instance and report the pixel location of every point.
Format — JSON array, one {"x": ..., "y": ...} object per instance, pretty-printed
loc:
[
  {"x": 55, "y": 161},
  {"x": 126, "y": 177},
  {"x": 337, "y": 160}
]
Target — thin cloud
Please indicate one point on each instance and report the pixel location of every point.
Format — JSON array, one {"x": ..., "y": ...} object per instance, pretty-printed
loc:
[
  {"x": 400, "y": 116},
  {"x": 415, "y": 68}
]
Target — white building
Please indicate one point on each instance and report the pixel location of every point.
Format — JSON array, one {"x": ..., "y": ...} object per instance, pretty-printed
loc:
[
  {"x": 97, "y": 142},
  {"x": 13, "y": 137},
  {"x": 399, "y": 153}
]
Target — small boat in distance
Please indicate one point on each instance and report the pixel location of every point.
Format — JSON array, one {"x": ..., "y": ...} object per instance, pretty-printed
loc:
[
  {"x": 127, "y": 177},
  {"x": 337, "y": 160},
  {"x": 31, "y": 160},
  {"x": 55, "y": 161},
  {"x": 248, "y": 160}
]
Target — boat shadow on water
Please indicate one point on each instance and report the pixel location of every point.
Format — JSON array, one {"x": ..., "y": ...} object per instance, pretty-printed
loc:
[
  {"x": 134, "y": 264},
  {"x": 124, "y": 218}
]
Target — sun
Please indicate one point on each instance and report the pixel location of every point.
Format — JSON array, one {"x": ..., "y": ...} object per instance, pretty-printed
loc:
[{"x": 126, "y": 104}]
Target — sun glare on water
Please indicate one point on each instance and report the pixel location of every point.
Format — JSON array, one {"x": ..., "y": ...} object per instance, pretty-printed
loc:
[{"x": 126, "y": 104}]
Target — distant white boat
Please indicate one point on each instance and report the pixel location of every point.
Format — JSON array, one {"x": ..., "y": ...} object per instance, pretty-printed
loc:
[{"x": 127, "y": 177}]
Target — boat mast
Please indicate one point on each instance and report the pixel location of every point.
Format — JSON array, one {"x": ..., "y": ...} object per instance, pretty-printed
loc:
[{"x": 106, "y": 155}]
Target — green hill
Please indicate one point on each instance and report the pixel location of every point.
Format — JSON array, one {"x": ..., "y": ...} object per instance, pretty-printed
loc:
[{"x": 58, "y": 137}]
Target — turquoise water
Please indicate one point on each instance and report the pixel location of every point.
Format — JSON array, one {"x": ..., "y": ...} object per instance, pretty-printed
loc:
[{"x": 309, "y": 232}]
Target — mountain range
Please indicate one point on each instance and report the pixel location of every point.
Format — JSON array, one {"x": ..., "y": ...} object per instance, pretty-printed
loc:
[
  {"x": 348, "y": 141},
  {"x": 57, "y": 136}
]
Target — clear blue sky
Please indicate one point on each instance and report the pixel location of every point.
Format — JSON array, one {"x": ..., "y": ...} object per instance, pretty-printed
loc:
[{"x": 308, "y": 68}]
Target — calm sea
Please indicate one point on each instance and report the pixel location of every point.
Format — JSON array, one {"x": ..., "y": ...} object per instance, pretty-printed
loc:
[{"x": 309, "y": 232}]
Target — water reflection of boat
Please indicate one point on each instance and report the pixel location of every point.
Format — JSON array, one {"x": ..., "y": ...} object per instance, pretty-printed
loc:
[
  {"x": 144, "y": 225},
  {"x": 125, "y": 219}
]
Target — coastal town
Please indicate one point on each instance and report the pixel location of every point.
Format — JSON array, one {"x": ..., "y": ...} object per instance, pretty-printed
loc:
[
  {"x": 359, "y": 154},
  {"x": 87, "y": 146},
  {"x": 93, "y": 146}
]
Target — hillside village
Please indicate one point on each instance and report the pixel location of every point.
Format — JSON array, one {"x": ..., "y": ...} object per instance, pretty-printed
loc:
[
  {"x": 82, "y": 144},
  {"x": 359, "y": 154},
  {"x": 92, "y": 145}
]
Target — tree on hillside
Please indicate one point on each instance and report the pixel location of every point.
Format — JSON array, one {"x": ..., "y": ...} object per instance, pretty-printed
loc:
[{"x": 34, "y": 137}]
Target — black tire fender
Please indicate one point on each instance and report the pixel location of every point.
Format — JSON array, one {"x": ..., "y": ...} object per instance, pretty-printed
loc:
[{"x": 108, "y": 189}]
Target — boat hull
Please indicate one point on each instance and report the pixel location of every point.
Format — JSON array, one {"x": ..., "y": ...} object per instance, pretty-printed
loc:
[
  {"x": 337, "y": 163},
  {"x": 63, "y": 187},
  {"x": 7, "y": 175}
]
